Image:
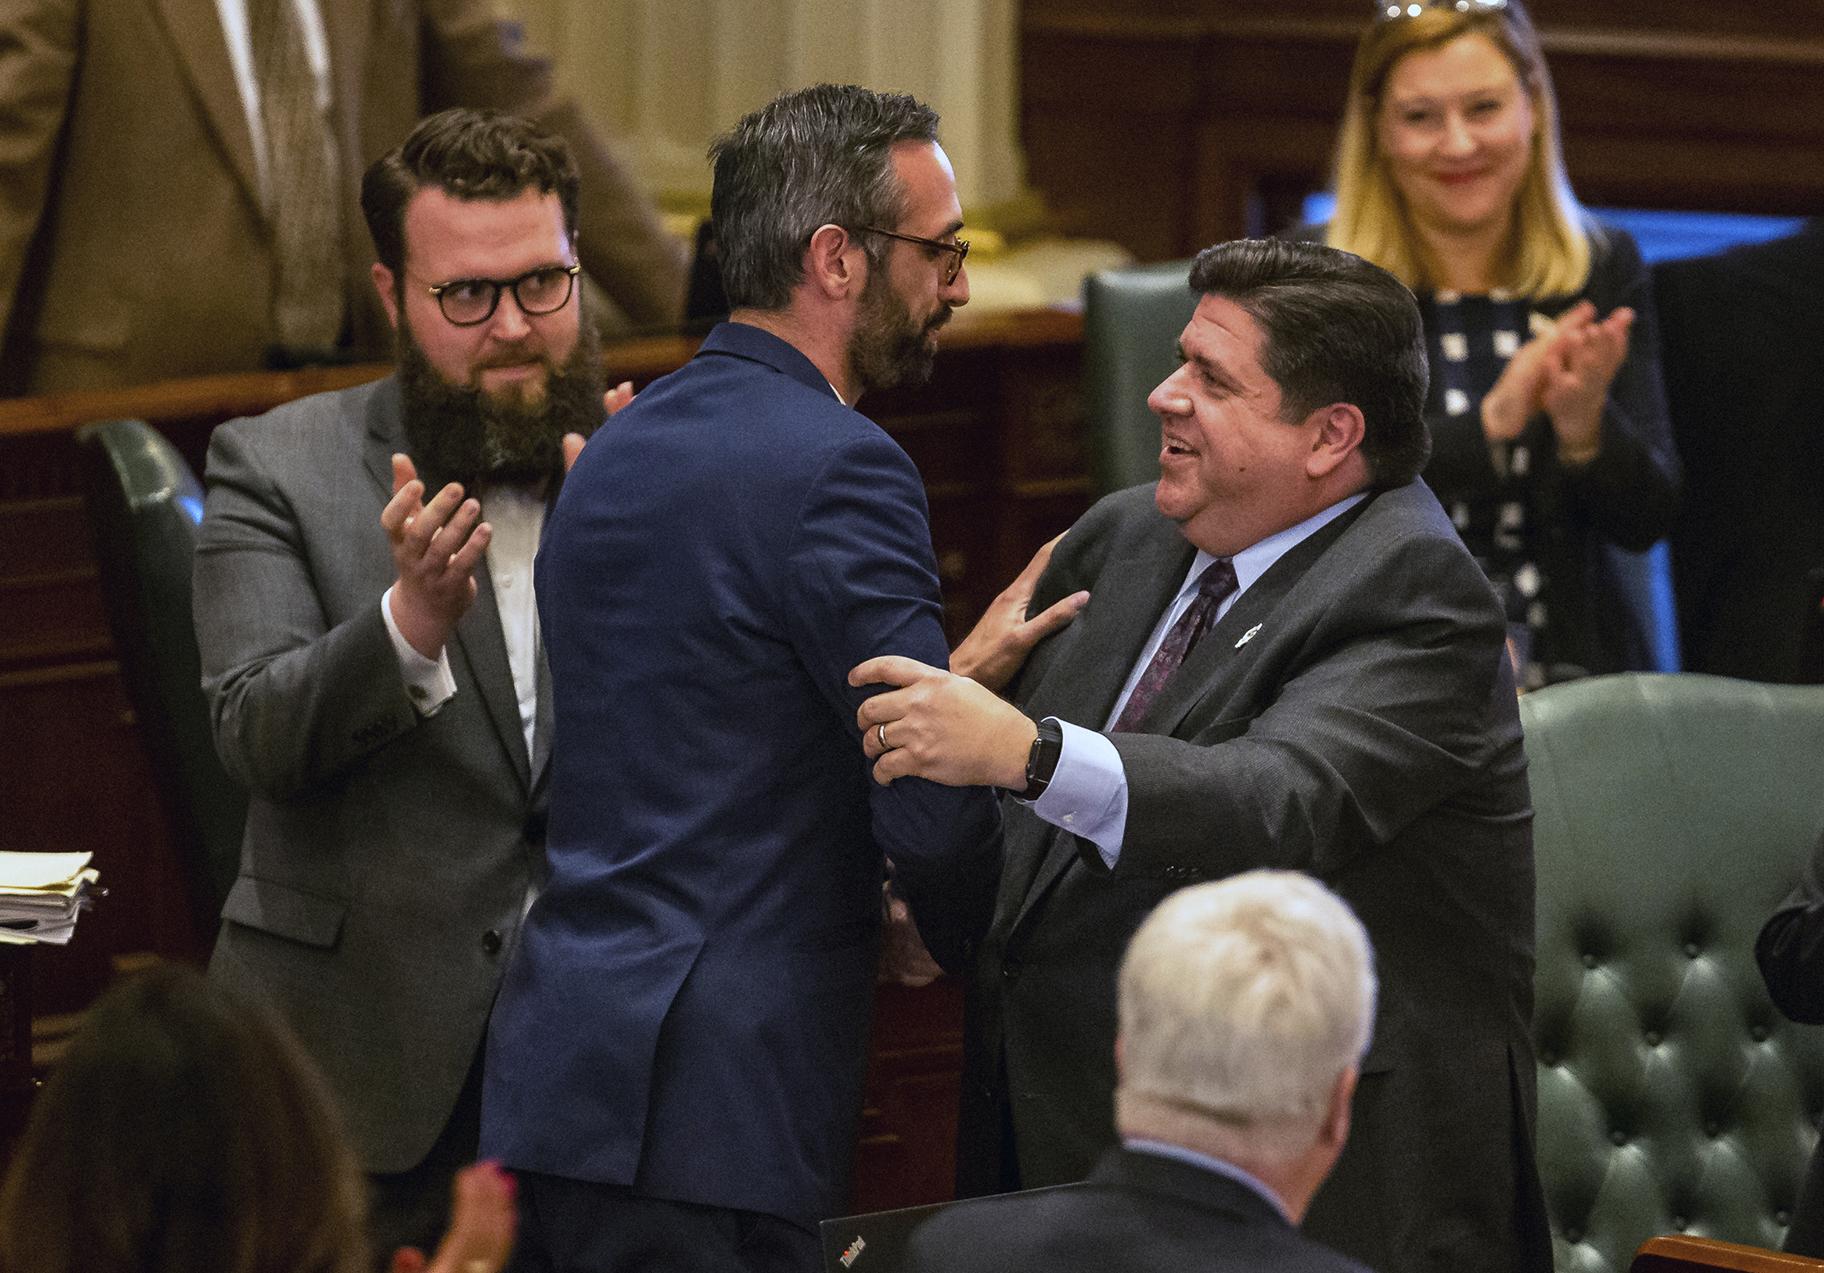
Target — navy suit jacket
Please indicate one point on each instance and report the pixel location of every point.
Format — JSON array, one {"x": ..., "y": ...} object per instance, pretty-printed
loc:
[
  {"x": 1139, "y": 1211},
  {"x": 688, "y": 1009}
]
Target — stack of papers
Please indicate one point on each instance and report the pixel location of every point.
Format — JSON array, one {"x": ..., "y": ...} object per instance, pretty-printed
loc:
[{"x": 40, "y": 894}]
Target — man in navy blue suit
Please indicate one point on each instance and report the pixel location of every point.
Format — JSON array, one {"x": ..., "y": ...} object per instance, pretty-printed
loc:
[{"x": 675, "y": 1062}]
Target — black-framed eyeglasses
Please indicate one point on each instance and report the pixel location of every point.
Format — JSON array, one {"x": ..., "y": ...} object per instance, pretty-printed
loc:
[
  {"x": 466, "y": 302},
  {"x": 1390, "y": 11},
  {"x": 957, "y": 248}
]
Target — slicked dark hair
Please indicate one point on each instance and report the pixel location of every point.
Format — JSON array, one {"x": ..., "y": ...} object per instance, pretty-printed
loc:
[
  {"x": 1337, "y": 329},
  {"x": 468, "y": 154},
  {"x": 820, "y": 155}
]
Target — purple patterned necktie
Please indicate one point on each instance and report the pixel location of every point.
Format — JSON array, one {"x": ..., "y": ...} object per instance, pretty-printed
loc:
[{"x": 1215, "y": 583}]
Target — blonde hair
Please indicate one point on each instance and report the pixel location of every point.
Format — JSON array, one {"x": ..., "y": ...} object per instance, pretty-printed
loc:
[{"x": 1551, "y": 252}]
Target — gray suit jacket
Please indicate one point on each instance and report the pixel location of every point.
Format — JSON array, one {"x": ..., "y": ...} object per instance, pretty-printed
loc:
[
  {"x": 387, "y": 857},
  {"x": 1352, "y": 716}
]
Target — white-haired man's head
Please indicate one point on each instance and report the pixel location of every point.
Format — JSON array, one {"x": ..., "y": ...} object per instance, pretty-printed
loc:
[{"x": 1245, "y": 1007}]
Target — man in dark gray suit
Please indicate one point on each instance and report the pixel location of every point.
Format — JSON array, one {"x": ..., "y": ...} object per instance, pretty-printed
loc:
[
  {"x": 1288, "y": 659},
  {"x": 371, "y": 655},
  {"x": 1245, "y": 1008}
]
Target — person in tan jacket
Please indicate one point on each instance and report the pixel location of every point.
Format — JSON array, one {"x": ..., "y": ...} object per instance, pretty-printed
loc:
[{"x": 135, "y": 237}]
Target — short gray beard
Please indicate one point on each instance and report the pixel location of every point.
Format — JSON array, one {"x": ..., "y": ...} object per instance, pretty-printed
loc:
[{"x": 887, "y": 348}]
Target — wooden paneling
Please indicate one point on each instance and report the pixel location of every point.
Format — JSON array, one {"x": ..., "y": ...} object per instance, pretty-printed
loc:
[
  {"x": 905, "y": 1153},
  {"x": 1171, "y": 124}
]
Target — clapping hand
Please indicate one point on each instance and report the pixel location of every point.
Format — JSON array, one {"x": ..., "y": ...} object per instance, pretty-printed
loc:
[
  {"x": 1564, "y": 371},
  {"x": 482, "y": 1224},
  {"x": 436, "y": 548},
  {"x": 612, "y": 401},
  {"x": 1579, "y": 368}
]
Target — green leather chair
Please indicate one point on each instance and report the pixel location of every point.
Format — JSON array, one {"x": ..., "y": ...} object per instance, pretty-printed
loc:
[
  {"x": 1131, "y": 322},
  {"x": 144, "y": 505},
  {"x": 1673, "y": 813}
]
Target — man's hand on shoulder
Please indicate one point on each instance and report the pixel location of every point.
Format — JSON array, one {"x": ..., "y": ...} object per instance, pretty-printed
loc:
[
  {"x": 938, "y": 725},
  {"x": 436, "y": 548},
  {"x": 997, "y": 646}
]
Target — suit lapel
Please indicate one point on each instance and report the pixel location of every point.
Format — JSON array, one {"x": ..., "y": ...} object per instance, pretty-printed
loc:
[
  {"x": 1211, "y": 668},
  {"x": 542, "y": 724},
  {"x": 194, "y": 28},
  {"x": 1129, "y": 595},
  {"x": 1215, "y": 663},
  {"x": 479, "y": 644},
  {"x": 541, "y": 728},
  {"x": 484, "y": 647}
]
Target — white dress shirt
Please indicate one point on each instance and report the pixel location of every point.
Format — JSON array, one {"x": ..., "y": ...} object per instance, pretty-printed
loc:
[
  {"x": 1220, "y": 1166},
  {"x": 1088, "y": 790},
  {"x": 517, "y": 517}
]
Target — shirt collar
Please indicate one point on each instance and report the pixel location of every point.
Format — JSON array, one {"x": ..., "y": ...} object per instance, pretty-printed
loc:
[
  {"x": 1256, "y": 559},
  {"x": 1163, "y": 1149}
]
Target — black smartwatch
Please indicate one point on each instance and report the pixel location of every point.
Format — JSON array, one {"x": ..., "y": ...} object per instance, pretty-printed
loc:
[{"x": 1042, "y": 760}]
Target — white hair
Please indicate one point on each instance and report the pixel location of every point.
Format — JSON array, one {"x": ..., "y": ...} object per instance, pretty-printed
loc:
[{"x": 1242, "y": 1002}]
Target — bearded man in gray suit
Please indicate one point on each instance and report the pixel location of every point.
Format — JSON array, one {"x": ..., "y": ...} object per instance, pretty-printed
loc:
[
  {"x": 370, "y": 648},
  {"x": 1288, "y": 659}
]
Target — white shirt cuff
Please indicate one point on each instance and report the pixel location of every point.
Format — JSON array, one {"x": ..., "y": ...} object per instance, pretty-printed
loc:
[
  {"x": 429, "y": 683},
  {"x": 1087, "y": 795}
]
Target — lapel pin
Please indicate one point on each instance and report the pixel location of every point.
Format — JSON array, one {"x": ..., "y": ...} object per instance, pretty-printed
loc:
[{"x": 1247, "y": 636}]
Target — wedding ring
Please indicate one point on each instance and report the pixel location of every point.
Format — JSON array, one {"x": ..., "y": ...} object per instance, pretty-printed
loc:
[{"x": 880, "y": 732}]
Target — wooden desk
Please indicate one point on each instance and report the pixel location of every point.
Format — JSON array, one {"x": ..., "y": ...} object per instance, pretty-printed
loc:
[{"x": 996, "y": 433}]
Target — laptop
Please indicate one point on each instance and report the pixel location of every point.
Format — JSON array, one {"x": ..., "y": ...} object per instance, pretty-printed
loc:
[{"x": 876, "y": 1241}]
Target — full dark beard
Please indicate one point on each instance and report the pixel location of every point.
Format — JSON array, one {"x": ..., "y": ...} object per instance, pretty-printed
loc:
[
  {"x": 889, "y": 348},
  {"x": 459, "y": 434}
]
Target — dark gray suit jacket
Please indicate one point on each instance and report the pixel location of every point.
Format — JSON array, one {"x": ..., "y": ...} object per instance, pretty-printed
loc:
[
  {"x": 1366, "y": 732},
  {"x": 1140, "y": 1213},
  {"x": 387, "y": 857}
]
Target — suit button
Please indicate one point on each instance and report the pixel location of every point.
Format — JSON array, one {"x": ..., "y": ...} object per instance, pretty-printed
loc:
[
  {"x": 490, "y": 942},
  {"x": 1010, "y": 970}
]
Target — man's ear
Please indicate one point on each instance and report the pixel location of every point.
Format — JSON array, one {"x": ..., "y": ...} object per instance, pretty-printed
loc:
[
  {"x": 833, "y": 262},
  {"x": 1334, "y": 1130},
  {"x": 1338, "y": 435},
  {"x": 389, "y": 295}
]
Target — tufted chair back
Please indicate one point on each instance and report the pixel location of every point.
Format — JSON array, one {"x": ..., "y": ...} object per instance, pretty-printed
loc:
[
  {"x": 144, "y": 506},
  {"x": 1673, "y": 814}
]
